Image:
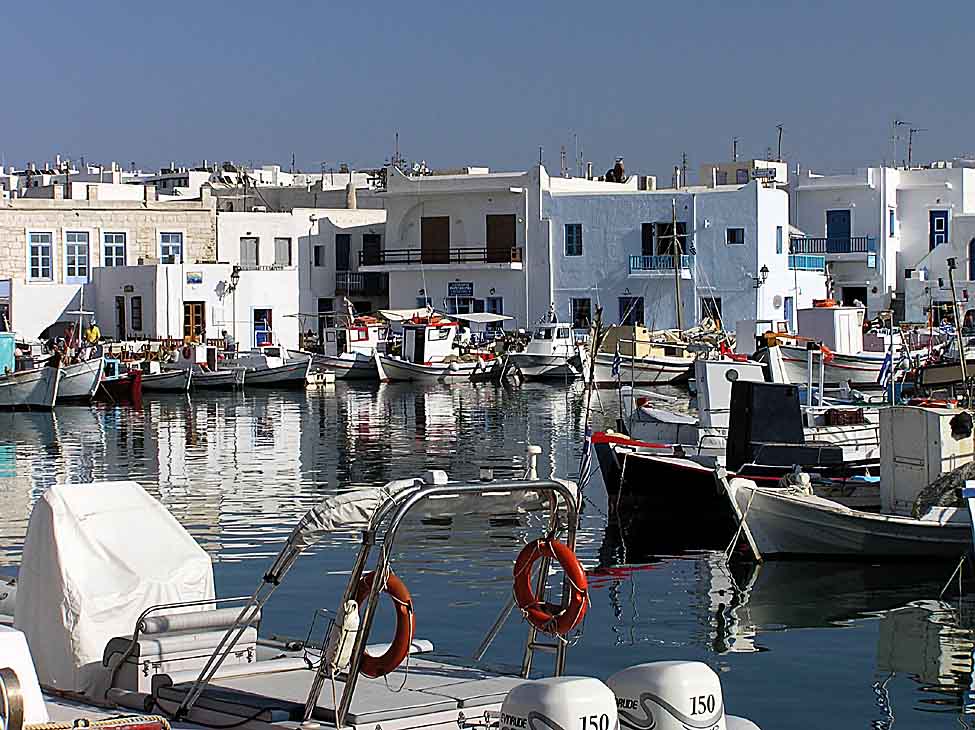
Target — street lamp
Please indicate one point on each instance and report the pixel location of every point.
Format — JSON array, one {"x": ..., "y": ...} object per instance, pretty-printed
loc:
[
  {"x": 762, "y": 277},
  {"x": 234, "y": 279},
  {"x": 232, "y": 289}
]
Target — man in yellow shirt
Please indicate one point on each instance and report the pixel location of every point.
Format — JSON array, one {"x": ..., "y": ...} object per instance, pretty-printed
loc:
[{"x": 94, "y": 334}]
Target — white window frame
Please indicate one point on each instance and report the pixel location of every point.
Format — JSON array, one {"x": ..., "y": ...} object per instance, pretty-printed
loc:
[
  {"x": 64, "y": 262},
  {"x": 159, "y": 243},
  {"x": 41, "y": 279},
  {"x": 125, "y": 246}
]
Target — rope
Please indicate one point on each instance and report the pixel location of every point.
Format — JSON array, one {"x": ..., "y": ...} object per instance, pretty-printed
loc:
[
  {"x": 956, "y": 571},
  {"x": 112, "y": 722},
  {"x": 741, "y": 526}
]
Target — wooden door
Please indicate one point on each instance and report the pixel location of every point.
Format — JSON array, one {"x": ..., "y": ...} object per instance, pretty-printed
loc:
[
  {"x": 194, "y": 322},
  {"x": 500, "y": 237},
  {"x": 119, "y": 319},
  {"x": 435, "y": 240}
]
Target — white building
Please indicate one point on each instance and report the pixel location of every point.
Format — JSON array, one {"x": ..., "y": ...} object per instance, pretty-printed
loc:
[
  {"x": 879, "y": 227},
  {"x": 516, "y": 243}
]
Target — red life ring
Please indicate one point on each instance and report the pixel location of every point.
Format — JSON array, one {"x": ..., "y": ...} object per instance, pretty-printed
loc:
[
  {"x": 931, "y": 403},
  {"x": 399, "y": 648},
  {"x": 548, "y": 617}
]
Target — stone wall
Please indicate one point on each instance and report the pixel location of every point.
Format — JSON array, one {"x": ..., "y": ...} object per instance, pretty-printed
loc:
[{"x": 142, "y": 221}]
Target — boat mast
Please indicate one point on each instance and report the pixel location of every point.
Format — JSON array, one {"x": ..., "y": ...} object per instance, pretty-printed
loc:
[
  {"x": 675, "y": 248},
  {"x": 958, "y": 322}
]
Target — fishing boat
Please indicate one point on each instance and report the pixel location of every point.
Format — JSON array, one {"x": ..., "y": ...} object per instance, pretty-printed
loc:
[
  {"x": 119, "y": 385},
  {"x": 162, "y": 638},
  {"x": 428, "y": 355},
  {"x": 635, "y": 355},
  {"x": 919, "y": 515},
  {"x": 222, "y": 379},
  {"x": 271, "y": 366},
  {"x": 35, "y": 388},
  {"x": 552, "y": 354},
  {"x": 79, "y": 380},
  {"x": 157, "y": 379},
  {"x": 349, "y": 348}
]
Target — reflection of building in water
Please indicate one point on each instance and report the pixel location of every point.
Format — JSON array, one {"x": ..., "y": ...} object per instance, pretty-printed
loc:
[{"x": 924, "y": 639}]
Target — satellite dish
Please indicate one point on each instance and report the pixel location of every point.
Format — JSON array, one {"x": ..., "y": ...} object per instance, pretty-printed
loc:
[{"x": 777, "y": 301}]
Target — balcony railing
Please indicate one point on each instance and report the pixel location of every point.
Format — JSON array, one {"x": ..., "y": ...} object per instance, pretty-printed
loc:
[
  {"x": 441, "y": 256},
  {"x": 807, "y": 262},
  {"x": 664, "y": 262},
  {"x": 850, "y": 244},
  {"x": 361, "y": 283}
]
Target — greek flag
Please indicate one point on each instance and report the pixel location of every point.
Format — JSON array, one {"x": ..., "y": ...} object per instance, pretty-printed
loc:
[
  {"x": 946, "y": 328},
  {"x": 585, "y": 462},
  {"x": 886, "y": 370},
  {"x": 617, "y": 362}
]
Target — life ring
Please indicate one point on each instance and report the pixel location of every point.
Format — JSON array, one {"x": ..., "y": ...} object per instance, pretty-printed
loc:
[
  {"x": 187, "y": 352},
  {"x": 549, "y": 617},
  {"x": 399, "y": 648}
]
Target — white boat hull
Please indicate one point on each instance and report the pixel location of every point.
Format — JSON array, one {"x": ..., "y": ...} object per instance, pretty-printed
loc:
[
  {"x": 357, "y": 367},
  {"x": 543, "y": 367},
  {"x": 289, "y": 375},
  {"x": 642, "y": 371},
  {"x": 860, "y": 370},
  {"x": 393, "y": 369},
  {"x": 35, "y": 389},
  {"x": 784, "y": 523},
  {"x": 79, "y": 381},
  {"x": 168, "y": 381},
  {"x": 229, "y": 379}
]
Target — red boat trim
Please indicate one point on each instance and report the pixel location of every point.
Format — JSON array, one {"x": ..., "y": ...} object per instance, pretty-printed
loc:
[{"x": 601, "y": 437}]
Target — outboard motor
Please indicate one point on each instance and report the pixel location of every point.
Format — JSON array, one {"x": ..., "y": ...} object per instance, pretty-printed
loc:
[
  {"x": 560, "y": 703},
  {"x": 671, "y": 696}
]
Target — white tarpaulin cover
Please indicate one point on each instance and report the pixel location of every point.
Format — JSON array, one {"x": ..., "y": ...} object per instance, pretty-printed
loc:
[
  {"x": 347, "y": 511},
  {"x": 95, "y": 557},
  {"x": 482, "y": 317}
]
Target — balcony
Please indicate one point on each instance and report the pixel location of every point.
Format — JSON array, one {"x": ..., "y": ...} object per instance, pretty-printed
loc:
[
  {"x": 356, "y": 283},
  {"x": 860, "y": 245},
  {"x": 660, "y": 265},
  {"x": 807, "y": 262},
  {"x": 463, "y": 257}
]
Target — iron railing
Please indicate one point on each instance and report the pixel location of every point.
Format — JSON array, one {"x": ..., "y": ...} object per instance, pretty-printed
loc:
[
  {"x": 662, "y": 262},
  {"x": 807, "y": 262},
  {"x": 435, "y": 256},
  {"x": 848, "y": 244},
  {"x": 363, "y": 283}
]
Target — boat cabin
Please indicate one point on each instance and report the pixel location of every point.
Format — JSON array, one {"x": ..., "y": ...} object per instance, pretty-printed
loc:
[
  {"x": 552, "y": 338},
  {"x": 428, "y": 339},
  {"x": 363, "y": 335},
  {"x": 838, "y": 328},
  {"x": 637, "y": 341}
]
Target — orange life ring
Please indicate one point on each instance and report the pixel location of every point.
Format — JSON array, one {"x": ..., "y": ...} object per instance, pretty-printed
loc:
[
  {"x": 399, "y": 648},
  {"x": 931, "y": 403},
  {"x": 548, "y": 617},
  {"x": 187, "y": 352}
]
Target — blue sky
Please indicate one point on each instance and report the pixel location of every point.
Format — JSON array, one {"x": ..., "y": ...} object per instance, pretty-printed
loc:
[{"x": 483, "y": 82}]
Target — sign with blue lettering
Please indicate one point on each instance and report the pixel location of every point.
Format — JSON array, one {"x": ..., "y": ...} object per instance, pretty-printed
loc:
[{"x": 462, "y": 289}]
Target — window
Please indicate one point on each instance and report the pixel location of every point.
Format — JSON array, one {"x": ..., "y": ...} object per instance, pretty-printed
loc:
[
  {"x": 891, "y": 223},
  {"x": 326, "y": 315},
  {"x": 573, "y": 239},
  {"x": 581, "y": 313},
  {"x": 664, "y": 234},
  {"x": 778, "y": 239},
  {"x": 494, "y": 305},
  {"x": 343, "y": 251},
  {"x": 646, "y": 239},
  {"x": 114, "y": 249},
  {"x": 282, "y": 252},
  {"x": 171, "y": 248},
  {"x": 438, "y": 334},
  {"x": 136, "y": 305},
  {"x": 76, "y": 256},
  {"x": 741, "y": 176},
  {"x": 319, "y": 256},
  {"x": 562, "y": 334},
  {"x": 371, "y": 249},
  {"x": 250, "y": 257},
  {"x": 40, "y": 256},
  {"x": 735, "y": 236},
  {"x": 631, "y": 310},
  {"x": 722, "y": 177}
]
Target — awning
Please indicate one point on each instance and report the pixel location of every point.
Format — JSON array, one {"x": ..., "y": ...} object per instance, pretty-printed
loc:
[{"x": 482, "y": 317}]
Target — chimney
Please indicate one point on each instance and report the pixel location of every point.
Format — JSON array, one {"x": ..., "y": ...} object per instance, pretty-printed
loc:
[
  {"x": 714, "y": 177},
  {"x": 676, "y": 176},
  {"x": 588, "y": 171},
  {"x": 149, "y": 193},
  {"x": 350, "y": 200},
  {"x": 91, "y": 192}
]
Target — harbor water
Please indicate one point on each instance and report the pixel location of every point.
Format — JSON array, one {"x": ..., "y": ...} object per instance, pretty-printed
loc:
[{"x": 796, "y": 644}]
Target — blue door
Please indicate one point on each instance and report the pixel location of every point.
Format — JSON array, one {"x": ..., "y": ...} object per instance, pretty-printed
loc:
[
  {"x": 937, "y": 228},
  {"x": 262, "y": 327},
  {"x": 838, "y": 231},
  {"x": 790, "y": 312}
]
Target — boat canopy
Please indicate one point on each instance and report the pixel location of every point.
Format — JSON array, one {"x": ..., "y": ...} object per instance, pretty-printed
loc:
[
  {"x": 400, "y": 315},
  {"x": 482, "y": 317}
]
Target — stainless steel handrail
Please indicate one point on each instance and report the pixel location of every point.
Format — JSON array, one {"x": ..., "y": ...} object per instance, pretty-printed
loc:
[
  {"x": 405, "y": 503},
  {"x": 11, "y": 700}
]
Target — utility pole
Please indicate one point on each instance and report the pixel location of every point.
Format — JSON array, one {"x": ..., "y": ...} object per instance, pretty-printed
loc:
[
  {"x": 895, "y": 136},
  {"x": 778, "y": 157},
  {"x": 675, "y": 247},
  {"x": 683, "y": 167},
  {"x": 734, "y": 149}
]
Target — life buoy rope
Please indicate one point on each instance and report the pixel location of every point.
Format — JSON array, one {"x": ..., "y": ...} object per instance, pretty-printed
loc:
[
  {"x": 547, "y": 617},
  {"x": 399, "y": 648}
]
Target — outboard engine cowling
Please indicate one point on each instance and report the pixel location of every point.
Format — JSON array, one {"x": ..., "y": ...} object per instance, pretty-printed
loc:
[
  {"x": 668, "y": 696},
  {"x": 560, "y": 703}
]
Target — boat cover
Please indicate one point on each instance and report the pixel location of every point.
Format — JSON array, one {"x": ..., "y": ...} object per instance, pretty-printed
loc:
[{"x": 96, "y": 556}]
